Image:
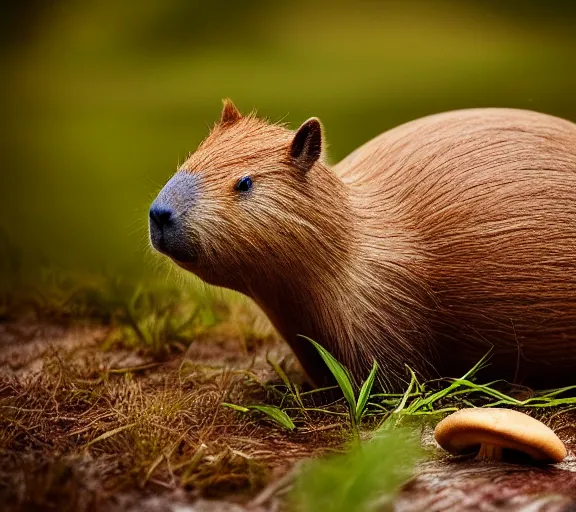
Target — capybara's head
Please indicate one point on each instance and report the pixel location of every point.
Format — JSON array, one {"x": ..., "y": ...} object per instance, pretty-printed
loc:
[{"x": 252, "y": 200}]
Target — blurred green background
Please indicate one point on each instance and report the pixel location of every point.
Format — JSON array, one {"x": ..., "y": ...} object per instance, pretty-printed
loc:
[{"x": 102, "y": 100}]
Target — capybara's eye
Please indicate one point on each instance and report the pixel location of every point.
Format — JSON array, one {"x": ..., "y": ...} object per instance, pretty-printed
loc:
[{"x": 244, "y": 184}]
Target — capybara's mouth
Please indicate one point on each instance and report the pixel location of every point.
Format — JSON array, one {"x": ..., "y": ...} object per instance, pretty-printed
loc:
[
  {"x": 179, "y": 254},
  {"x": 171, "y": 240}
]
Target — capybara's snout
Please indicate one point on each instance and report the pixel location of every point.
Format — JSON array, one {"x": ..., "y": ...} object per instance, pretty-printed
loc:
[{"x": 168, "y": 218}]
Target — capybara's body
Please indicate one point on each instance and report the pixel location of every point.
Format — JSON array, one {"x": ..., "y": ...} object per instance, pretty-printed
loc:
[{"x": 426, "y": 247}]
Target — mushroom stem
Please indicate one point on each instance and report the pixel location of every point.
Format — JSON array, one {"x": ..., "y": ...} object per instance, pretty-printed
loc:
[{"x": 489, "y": 452}]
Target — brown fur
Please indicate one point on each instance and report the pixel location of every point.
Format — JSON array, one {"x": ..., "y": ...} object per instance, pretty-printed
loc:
[{"x": 425, "y": 247}]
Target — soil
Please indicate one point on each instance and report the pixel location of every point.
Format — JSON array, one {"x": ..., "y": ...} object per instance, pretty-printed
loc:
[{"x": 83, "y": 428}]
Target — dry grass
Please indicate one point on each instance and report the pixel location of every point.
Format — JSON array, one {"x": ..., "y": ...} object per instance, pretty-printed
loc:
[
  {"x": 153, "y": 429},
  {"x": 132, "y": 407},
  {"x": 110, "y": 394}
]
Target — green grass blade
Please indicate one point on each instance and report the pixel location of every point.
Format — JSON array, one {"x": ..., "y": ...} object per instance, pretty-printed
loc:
[
  {"x": 278, "y": 415},
  {"x": 428, "y": 401},
  {"x": 238, "y": 408},
  {"x": 408, "y": 391},
  {"x": 340, "y": 373},
  {"x": 482, "y": 363},
  {"x": 298, "y": 397},
  {"x": 318, "y": 390},
  {"x": 364, "y": 394},
  {"x": 549, "y": 393},
  {"x": 281, "y": 373}
]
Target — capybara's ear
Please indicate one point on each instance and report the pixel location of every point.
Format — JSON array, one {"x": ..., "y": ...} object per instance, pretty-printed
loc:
[
  {"x": 307, "y": 144},
  {"x": 230, "y": 114}
]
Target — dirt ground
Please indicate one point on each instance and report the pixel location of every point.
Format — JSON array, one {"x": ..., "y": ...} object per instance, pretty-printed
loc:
[{"x": 87, "y": 428}]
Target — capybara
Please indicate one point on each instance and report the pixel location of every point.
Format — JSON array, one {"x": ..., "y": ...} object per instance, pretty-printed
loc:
[{"x": 426, "y": 247}]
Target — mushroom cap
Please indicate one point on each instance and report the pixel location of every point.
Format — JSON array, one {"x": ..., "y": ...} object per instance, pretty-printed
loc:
[{"x": 467, "y": 428}]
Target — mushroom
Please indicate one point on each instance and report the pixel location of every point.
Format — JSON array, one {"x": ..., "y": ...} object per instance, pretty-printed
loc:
[{"x": 493, "y": 430}]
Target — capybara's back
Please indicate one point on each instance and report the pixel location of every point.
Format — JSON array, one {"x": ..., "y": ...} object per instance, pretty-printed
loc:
[
  {"x": 482, "y": 206},
  {"x": 428, "y": 246}
]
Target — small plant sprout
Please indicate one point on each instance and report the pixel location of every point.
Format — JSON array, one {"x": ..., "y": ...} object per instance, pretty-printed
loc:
[{"x": 356, "y": 406}]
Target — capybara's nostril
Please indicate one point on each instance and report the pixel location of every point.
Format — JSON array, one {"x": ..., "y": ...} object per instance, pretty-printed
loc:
[{"x": 160, "y": 215}]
